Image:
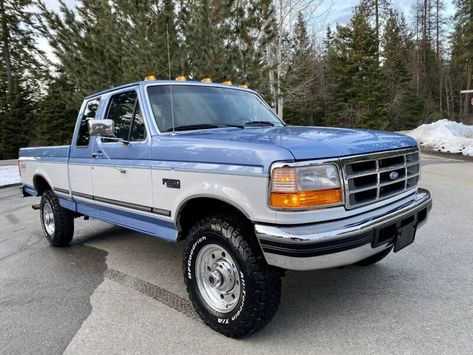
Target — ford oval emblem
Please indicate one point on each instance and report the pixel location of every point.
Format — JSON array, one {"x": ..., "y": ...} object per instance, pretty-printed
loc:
[{"x": 394, "y": 175}]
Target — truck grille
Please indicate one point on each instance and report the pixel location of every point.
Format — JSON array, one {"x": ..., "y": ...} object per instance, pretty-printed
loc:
[{"x": 374, "y": 177}]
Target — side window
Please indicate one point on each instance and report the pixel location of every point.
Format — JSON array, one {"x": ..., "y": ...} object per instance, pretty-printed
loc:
[
  {"x": 88, "y": 114},
  {"x": 138, "y": 130},
  {"x": 124, "y": 110}
]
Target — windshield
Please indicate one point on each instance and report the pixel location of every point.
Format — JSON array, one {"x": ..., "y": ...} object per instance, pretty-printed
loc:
[{"x": 199, "y": 107}]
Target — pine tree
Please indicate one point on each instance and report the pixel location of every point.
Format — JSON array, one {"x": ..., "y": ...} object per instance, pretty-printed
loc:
[
  {"x": 299, "y": 84},
  {"x": 403, "y": 105},
  {"x": 204, "y": 33},
  {"x": 17, "y": 120},
  {"x": 57, "y": 113},
  {"x": 462, "y": 56},
  {"x": 356, "y": 85},
  {"x": 20, "y": 69}
]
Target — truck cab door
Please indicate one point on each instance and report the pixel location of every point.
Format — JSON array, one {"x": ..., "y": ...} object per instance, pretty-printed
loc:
[
  {"x": 121, "y": 172},
  {"x": 80, "y": 158}
]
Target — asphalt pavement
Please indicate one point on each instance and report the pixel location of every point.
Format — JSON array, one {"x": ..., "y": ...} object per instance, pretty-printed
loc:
[{"x": 117, "y": 291}]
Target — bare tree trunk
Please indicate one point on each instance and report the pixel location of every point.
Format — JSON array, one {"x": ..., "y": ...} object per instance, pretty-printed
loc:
[
  {"x": 437, "y": 28},
  {"x": 417, "y": 49},
  {"x": 439, "y": 57},
  {"x": 272, "y": 90},
  {"x": 466, "y": 102},
  {"x": 447, "y": 97},
  {"x": 376, "y": 4},
  {"x": 6, "y": 47},
  {"x": 279, "y": 98},
  {"x": 440, "y": 86}
]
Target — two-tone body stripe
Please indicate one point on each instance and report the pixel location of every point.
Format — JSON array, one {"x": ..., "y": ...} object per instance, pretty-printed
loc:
[
  {"x": 63, "y": 191},
  {"x": 129, "y": 205}
]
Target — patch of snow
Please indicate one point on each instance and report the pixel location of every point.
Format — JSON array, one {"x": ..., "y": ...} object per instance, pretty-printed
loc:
[
  {"x": 9, "y": 175},
  {"x": 445, "y": 136}
]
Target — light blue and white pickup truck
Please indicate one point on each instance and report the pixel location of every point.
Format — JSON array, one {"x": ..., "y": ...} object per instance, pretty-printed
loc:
[{"x": 213, "y": 166}]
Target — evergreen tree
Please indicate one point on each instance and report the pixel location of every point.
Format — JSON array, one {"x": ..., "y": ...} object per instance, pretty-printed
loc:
[
  {"x": 403, "y": 105},
  {"x": 250, "y": 28},
  {"x": 462, "y": 56},
  {"x": 20, "y": 69},
  {"x": 88, "y": 44},
  {"x": 299, "y": 84},
  {"x": 356, "y": 84},
  {"x": 17, "y": 111},
  {"x": 204, "y": 47},
  {"x": 57, "y": 113}
]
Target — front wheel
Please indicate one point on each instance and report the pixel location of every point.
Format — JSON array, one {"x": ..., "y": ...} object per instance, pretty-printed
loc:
[
  {"x": 228, "y": 281},
  {"x": 57, "y": 222}
]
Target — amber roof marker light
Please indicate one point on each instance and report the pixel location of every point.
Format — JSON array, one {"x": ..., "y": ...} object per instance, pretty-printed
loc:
[{"x": 150, "y": 77}]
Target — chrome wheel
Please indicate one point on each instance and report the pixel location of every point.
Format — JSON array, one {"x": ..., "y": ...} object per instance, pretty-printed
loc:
[
  {"x": 48, "y": 219},
  {"x": 218, "y": 278}
]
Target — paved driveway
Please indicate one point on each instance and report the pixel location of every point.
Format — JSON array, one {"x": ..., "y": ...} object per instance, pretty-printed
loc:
[{"x": 116, "y": 291}]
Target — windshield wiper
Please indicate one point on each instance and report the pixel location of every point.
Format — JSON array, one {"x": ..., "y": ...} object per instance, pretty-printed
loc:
[
  {"x": 259, "y": 123},
  {"x": 203, "y": 126},
  {"x": 231, "y": 125},
  {"x": 189, "y": 127}
]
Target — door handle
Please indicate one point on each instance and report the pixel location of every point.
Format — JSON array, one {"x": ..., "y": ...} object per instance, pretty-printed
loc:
[
  {"x": 97, "y": 154},
  {"x": 123, "y": 171}
]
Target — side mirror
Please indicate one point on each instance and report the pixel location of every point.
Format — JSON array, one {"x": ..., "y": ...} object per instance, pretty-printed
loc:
[{"x": 101, "y": 128}]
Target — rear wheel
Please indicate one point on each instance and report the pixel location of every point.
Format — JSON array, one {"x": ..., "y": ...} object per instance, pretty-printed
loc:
[
  {"x": 57, "y": 222},
  {"x": 228, "y": 281},
  {"x": 374, "y": 258}
]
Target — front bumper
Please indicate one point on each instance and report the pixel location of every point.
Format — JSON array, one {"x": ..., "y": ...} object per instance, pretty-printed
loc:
[{"x": 340, "y": 242}]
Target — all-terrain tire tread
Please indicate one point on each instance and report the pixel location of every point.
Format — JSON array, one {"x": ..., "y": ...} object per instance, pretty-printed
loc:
[
  {"x": 64, "y": 221},
  {"x": 266, "y": 290}
]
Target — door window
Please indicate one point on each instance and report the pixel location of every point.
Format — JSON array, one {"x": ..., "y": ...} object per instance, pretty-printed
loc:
[
  {"x": 88, "y": 114},
  {"x": 125, "y": 111}
]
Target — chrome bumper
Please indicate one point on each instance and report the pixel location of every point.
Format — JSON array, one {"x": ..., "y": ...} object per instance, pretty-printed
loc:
[{"x": 340, "y": 242}]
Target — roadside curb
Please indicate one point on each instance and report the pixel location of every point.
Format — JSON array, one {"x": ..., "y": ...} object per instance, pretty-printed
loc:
[{"x": 456, "y": 156}]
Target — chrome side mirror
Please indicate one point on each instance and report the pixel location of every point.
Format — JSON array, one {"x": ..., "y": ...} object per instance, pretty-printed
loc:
[{"x": 101, "y": 128}]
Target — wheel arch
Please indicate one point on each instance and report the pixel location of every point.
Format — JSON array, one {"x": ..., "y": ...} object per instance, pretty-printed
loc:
[
  {"x": 41, "y": 184},
  {"x": 196, "y": 207}
]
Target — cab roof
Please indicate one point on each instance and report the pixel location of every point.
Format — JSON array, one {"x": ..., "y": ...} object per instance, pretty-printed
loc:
[{"x": 165, "y": 82}]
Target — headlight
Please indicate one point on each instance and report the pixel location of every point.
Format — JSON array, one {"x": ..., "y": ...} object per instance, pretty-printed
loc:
[{"x": 305, "y": 186}]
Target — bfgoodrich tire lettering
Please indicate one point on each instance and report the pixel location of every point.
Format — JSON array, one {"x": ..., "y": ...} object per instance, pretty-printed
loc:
[
  {"x": 57, "y": 222},
  {"x": 259, "y": 284}
]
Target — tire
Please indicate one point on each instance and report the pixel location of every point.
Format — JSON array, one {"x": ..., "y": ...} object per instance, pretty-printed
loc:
[
  {"x": 57, "y": 222},
  {"x": 373, "y": 259},
  {"x": 223, "y": 259}
]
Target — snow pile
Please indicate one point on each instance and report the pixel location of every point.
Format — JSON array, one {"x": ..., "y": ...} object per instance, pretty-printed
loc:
[
  {"x": 9, "y": 175},
  {"x": 445, "y": 136}
]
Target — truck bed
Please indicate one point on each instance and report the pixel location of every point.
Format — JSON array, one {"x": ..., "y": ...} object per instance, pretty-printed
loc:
[{"x": 49, "y": 162}]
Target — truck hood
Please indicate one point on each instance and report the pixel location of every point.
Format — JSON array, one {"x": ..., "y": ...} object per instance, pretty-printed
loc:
[{"x": 314, "y": 142}]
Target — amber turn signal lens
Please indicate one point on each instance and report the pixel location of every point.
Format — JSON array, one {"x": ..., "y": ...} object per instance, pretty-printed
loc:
[{"x": 306, "y": 198}]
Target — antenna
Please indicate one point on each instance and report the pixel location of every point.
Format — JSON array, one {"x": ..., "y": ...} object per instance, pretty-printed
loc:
[{"x": 170, "y": 85}]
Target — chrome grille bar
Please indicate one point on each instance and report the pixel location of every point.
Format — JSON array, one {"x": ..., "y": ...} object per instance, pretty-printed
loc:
[{"x": 374, "y": 177}]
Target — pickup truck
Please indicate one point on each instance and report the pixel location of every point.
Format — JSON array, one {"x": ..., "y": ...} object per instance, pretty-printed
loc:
[{"x": 213, "y": 166}]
